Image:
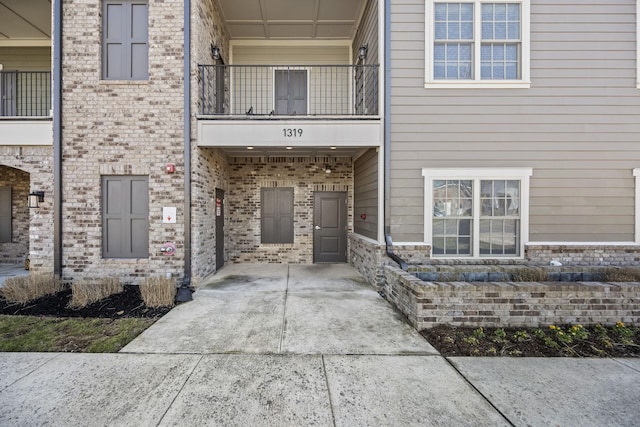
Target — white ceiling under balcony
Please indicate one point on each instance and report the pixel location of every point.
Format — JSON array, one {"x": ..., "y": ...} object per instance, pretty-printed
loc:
[
  {"x": 25, "y": 23},
  {"x": 291, "y": 19}
]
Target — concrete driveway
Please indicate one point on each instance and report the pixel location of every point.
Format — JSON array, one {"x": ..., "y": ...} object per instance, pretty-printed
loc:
[{"x": 298, "y": 345}]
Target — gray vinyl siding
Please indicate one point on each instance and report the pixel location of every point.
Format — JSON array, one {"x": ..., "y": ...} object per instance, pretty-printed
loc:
[
  {"x": 25, "y": 58},
  {"x": 367, "y": 33},
  {"x": 290, "y": 55},
  {"x": 577, "y": 126},
  {"x": 365, "y": 194}
]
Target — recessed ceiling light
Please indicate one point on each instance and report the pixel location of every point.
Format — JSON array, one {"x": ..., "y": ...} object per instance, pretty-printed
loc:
[
  {"x": 289, "y": 148},
  {"x": 333, "y": 148},
  {"x": 249, "y": 148}
]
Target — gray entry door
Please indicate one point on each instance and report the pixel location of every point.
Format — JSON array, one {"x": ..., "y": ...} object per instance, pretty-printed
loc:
[
  {"x": 291, "y": 92},
  {"x": 8, "y": 93},
  {"x": 219, "y": 228},
  {"x": 330, "y": 227}
]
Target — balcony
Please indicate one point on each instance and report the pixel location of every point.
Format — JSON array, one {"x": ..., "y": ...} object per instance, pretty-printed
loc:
[
  {"x": 25, "y": 93},
  {"x": 25, "y": 108},
  {"x": 296, "y": 91},
  {"x": 275, "y": 105}
]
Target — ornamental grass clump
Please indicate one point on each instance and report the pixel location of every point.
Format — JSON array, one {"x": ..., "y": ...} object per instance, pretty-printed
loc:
[
  {"x": 158, "y": 292},
  {"x": 621, "y": 275},
  {"x": 24, "y": 289},
  {"x": 85, "y": 292}
]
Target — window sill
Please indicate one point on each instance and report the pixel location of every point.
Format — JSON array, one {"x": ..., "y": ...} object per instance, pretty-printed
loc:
[
  {"x": 124, "y": 82},
  {"x": 502, "y": 84}
]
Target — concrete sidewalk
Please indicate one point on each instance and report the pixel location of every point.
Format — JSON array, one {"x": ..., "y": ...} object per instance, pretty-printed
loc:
[
  {"x": 8, "y": 271},
  {"x": 305, "y": 345}
]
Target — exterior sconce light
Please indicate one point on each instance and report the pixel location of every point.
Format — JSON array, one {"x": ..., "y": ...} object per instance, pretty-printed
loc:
[
  {"x": 362, "y": 52},
  {"x": 35, "y": 198},
  {"x": 327, "y": 169},
  {"x": 215, "y": 52}
]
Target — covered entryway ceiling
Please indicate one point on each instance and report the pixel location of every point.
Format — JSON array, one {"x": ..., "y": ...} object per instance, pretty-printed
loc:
[
  {"x": 292, "y": 19},
  {"x": 352, "y": 152},
  {"x": 25, "y": 23}
]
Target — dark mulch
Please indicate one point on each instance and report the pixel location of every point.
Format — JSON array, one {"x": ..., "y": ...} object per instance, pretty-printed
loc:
[
  {"x": 562, "y": 341},
  {"x": 126, "y": 304}
]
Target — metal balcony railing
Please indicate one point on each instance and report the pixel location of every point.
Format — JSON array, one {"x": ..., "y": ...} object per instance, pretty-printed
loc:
[
  {"x": 292, "y": 90},
  {"x": 25, "y": 93}
]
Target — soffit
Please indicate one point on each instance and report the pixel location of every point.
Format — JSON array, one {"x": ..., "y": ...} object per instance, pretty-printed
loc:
[
  {"x": 291, "y": 19},
  {"x": 25, "y": 22}
]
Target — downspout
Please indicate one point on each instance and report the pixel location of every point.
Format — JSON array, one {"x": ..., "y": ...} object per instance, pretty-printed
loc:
[
  {"x": 57, "y": 138},
  {"x": 387, "y": 137},
  {"x": 184, "y": 292}
]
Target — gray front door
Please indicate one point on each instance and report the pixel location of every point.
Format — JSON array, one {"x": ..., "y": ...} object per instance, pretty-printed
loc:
[
  {"x": 219, "y": 228},
  {"x": 330, "y": 227},
  {"x": 291, "y": 92}
]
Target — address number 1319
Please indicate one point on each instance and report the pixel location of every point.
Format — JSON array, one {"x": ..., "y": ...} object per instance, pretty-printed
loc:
[{"x": 292, "y": 132}]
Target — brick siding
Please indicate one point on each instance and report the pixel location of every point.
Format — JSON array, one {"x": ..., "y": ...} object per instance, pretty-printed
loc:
[
  {"x": 427, "y": 304},
  {"x": 121, "y": 128},
  {"x": 25, "y": 169}
]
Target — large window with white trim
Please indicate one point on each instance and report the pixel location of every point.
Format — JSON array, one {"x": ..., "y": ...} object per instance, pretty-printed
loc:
[
  {"x": 477, "y": 42},
  {"x": 476, "y": 212}
]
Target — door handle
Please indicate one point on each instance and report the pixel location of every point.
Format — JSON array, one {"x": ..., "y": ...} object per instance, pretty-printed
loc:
[{"x": 317, "y": 227}]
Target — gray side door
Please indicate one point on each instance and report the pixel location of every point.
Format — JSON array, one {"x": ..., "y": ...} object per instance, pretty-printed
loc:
[
  {"x": 330, "y": 227},
  {"x": 219, "y": 228},
  {"x": 8, "y": 91},
  {"x": 291, "y": 92},
  {"x": 5, "y": 214}
]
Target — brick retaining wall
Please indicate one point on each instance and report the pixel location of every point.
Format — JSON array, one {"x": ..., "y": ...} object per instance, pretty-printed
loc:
[{"x": 500, "y": 304}]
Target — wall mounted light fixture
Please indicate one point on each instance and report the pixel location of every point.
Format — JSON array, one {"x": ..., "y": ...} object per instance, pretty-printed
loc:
[
  {"x": 362, "y": 51},
  {"x": 215, "y": 52},
  {"x": 35, "y": 198}
]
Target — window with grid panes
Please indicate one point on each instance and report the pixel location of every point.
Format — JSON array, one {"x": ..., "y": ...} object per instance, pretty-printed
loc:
[
  {"x": 477, "y": 41},
  {"x": 476, "y": 213}
]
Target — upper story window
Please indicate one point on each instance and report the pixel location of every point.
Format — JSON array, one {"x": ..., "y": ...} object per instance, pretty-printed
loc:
[
  {"x": 125, "y": 40},
  {"x": 477, "y": 43}
]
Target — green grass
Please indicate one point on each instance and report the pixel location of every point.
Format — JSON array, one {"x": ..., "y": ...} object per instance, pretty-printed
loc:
[{"x": 50, "y": 334}]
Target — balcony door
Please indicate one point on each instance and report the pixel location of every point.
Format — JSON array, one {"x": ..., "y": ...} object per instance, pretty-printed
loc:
[
  {"x": 291, "y": 92},
  {"x": 8, "y": 92}
]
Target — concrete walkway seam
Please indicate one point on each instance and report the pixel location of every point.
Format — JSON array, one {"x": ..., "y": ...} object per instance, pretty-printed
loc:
[
  {"x": 465, "y": 379},
  {"x": 326, "y": 382},
  {"x": 187, "y": 378}
]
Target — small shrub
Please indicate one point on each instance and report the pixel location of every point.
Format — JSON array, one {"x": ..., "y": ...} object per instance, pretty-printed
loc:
[
  {"x": 621, "y": 275},
  {"x": 23, "y": 289},
  {"x": 158, "y": 292},
  {"x": 85, "y": 292},
  {"x": 478, "y": 333},
  {"x": 521, "y": 336},
  {"x": 529, "y": 275}
]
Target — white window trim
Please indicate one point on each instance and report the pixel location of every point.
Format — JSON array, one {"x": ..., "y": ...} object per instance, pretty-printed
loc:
[
  {"x": 636, "y": 174},
  {"x": 521, "y": 174},
  {"x": 523, "y": 83},
  {"x": 637, "y": 58}
]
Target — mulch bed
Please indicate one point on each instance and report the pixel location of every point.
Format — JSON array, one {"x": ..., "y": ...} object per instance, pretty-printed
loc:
[
  {"x": 125, "y": 304},
  {"x": 597, "y": 341}
]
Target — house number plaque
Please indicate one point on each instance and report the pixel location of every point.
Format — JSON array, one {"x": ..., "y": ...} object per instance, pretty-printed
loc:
[{"x": 292, "y": 132}]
